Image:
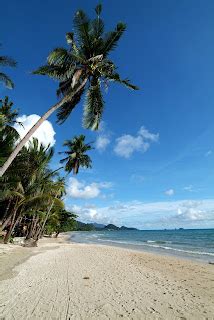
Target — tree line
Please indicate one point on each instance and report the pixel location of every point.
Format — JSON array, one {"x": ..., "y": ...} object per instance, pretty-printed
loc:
[{"x": 31, "y": 200}]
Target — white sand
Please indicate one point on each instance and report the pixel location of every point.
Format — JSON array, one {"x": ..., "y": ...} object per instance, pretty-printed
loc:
[{"x": 78, "y": 281}]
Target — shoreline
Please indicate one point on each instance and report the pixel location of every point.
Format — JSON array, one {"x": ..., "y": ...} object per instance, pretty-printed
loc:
[
  {"x": 62, "y": 279},
  {"x": 171, "y": 252}
]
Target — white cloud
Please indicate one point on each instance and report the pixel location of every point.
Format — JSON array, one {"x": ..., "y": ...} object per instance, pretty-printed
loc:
[
  {"x": 148, "y": 135},
  {"x": 80, "y": 190},
  {"x": 127, "y": 144},
  {"x": 102, "y": 142},
  {"x": 208, "y": 153},
  {"x": 169, "y": 192},
  {"x": 192, "y": 214},
  {"x": 189, "y": 188},
  {"x": 137, "y": 177},
  {"x": 154, "y": 215},
  {"x": 92, "y": 214},
  {"x": 45, "y": 133},
  {"x": 103, "y": 139}
]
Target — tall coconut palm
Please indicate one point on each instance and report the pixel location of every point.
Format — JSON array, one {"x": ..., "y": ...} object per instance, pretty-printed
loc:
[
  {"x": 6, "y": 61},
  {"x": 82, "y": 68},
  {"x": 76, "y": 156}
]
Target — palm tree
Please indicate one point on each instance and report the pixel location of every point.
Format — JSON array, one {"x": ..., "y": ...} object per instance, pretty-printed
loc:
[
  {"x": 7, "y": 115},
  {"x": 25, "y": 187},
  {"x": 6, "y": 61},
  {"x": 57, "y": 190},
  {"x": 8, "y": 134},
  {"x": 82, "y": 68},
  {"x": 76, "y": 156},
  {"x": 61, "y": 220}
]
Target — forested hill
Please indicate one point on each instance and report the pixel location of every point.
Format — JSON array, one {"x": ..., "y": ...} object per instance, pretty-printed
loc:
[{"x": 80, "y": 226}]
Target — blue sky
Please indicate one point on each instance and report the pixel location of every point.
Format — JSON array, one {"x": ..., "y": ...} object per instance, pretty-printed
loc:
[{"x": 157, "y": 169}]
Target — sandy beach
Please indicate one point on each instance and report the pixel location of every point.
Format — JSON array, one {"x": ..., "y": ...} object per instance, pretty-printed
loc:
[{"x": 59, "y": 280}]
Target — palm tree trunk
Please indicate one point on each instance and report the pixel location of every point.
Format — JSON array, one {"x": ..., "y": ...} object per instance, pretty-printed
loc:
[
  {"x": 44, "y": 223},
  {"x": 21, "y": 144},
  {"x": 6, "y": 221},
  {"x": 30, "y": 230},
  {"x": 34, "y": 227},
  {"x": 76, "y": 167},
  {"x": 57, "y": 233},
  {"x": 7, "y": 209},
  {"x": 37, "y": 233},
  {"x": 11, "y": 228}
]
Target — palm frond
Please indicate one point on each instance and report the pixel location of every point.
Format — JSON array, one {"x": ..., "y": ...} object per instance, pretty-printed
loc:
[
  {"x": 82, "y": 28},
  {"x": 6, "y": 61},
  {"x": 65, "y": 110},
  {"x": 86, "y": 161},
  {"x": 97, "y": 24},
  {"x": 116, "y": 77},
  {"x": 70, "y": 41},
  {"x": 58, "y": 203},
  {"x": 111, "y": 39},
  {"x": 64, "y": 159},
  {"x": 98, "y": 9},
  {"x": 59, "y": 56},
  {"x": 94, "y": 106},
  {"x": 6, "y": 80},
  {"x": 9, "y": 194},
  {"x": 38, "y": 201},
  {"x": 55, "y": 72}
]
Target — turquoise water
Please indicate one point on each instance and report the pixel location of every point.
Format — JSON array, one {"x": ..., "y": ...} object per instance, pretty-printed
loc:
[{"x": 193, "y": 244}]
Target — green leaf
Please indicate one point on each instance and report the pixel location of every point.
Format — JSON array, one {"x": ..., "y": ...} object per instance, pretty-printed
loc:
[
  {"x": 116, "y": 77},
  {"x": 94, "y": 106},
  {"x": 7, "y": 61},
  {"x": 112, "y": 38},
  {"x": 98, "y": 9},
  {"x": 6, "y": 80},
  {"x": 70, "y": 41},
  {"x": 58, "y": 56},
  {"x": 60, "y": 73},
  {"x": 82, "y": 28},
  {"x": 97, "y": 26},
  {"x": 69, "y": 37},
  {"x": 64, "y": 111}
]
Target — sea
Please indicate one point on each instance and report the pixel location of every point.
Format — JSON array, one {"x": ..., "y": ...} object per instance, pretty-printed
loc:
[{"x": 191, "y": 244}]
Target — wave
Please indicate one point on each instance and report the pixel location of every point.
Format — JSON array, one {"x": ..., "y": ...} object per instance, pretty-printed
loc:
[
  {"x": 156, "y": 245},
  {"x": 186, "y": 251},
  {"x": 116, "y": 241},
  {"x": 158, "y": 241}
]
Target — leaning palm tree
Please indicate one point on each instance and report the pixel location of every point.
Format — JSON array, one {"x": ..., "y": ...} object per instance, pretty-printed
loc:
[
  {"x": 76, "y": 156},
  {"x": 82, "y": 68},
  {"x": 6, "y": 61}
]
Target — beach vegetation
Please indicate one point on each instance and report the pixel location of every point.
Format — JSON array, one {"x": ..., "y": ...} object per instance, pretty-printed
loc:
[{"x": 31, "y": 193}]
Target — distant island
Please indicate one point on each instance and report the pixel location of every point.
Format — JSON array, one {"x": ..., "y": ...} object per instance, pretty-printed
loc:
[
  {"x": 81, "y": 226},
  {"x": 113, "y": 227}
]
